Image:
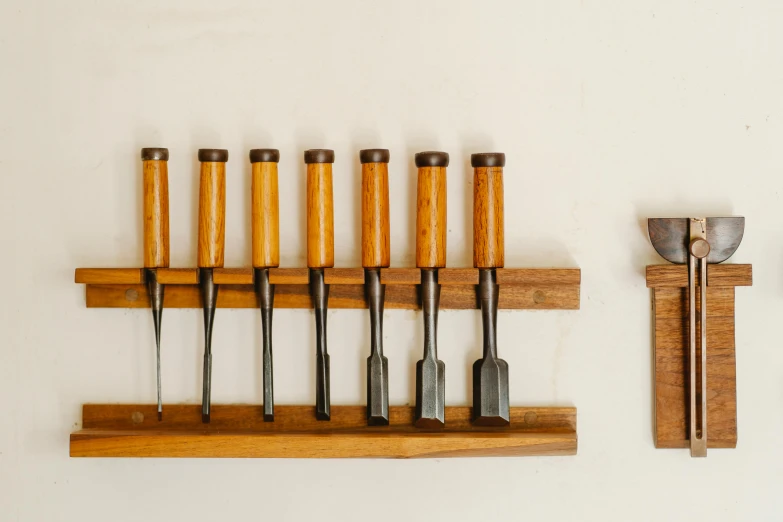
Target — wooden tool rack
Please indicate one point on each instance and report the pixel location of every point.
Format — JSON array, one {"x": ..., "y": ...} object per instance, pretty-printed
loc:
[{"x": 239, "y": 430}]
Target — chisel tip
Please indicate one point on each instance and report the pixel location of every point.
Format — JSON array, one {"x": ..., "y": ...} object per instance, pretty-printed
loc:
[
  {"x": 205, "y": 418},
  {"x": 429, "y": 423},
  {"x": 490, "y": 393},
  {"x": 160, "y": 416},
  {"x": 377, "y": 421},
  {"x": 269, "y": 418}
]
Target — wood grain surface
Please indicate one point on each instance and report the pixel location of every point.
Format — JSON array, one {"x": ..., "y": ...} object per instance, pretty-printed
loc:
[
  {"x": 488, "y": 227},
  {"x": 375, "y": 215},
  {"x": 523, "y": 288},
  {"x": 539, "y": 276},
  {"x": 398, "y": 296},
  {"x": 717, "y": 275},
  {"x": 239, "y": 431},
  {"x": 265, "y": 223},
  {"x": 320, "y": 216},
  {"x": 289, "y": 276},
  {"x": 233, "y": 276},
  {"x": 401, "y": 276},
  {"x": 431, "y": 218},
  {"x": 300, "y": 418},
  {"x": 212, "y": 214},
  {"x": 344, "y": 276},
  {"x": 458, "y": 276},
  {"x": 155, "y": 176},
  {"x": 670, "y": 326},
  {"x": 178, "y": 276},
  {"x": 110, "y": 276}
]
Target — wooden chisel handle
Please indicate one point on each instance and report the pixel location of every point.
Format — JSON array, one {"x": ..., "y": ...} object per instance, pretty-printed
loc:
[
  {"x": 488, "y": 241},
  {"x": 431, "y": 209},
  {"x": 212, "y": 208},
  {"x": 375, "y": 208},
  {"x": 265, "y": 225},
  {"x": 156, "y": 207},
  {"x": 320, "y": 209}
]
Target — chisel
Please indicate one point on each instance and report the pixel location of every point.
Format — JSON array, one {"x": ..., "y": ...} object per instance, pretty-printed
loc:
[
  {"x": 431, "y": 255},
  {"x": 211, "y": 249},
  {"x": 156, "y": 236},
  {"x": 320, "y": 255},
  {"x": 490, "y": 374},
  {"x": 375, "y": 255},
  {"x": 265, "y": 229}
]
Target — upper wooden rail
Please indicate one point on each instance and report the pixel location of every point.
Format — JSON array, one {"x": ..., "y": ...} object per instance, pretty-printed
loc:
[
  {"x": 717, "y": 275},
  {"x": 521, "y": 288},
  {"x": 340, "y": 276}
]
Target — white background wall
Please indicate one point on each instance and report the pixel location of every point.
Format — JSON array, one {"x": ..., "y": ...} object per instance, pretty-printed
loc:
[{"x": 608, "y": 112}]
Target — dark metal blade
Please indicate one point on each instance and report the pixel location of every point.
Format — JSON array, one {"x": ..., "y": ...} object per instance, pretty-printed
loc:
[
  {"x": 156, "y": 291},
  {"x": 671, "y": 237},
  {"x": 320, "y": 293},
  {"x": 430, "y": 372},
  {"x": 377, "y": 364},
  {"x": 266, "y": 302},
  {"x": 209, "y": 293},
  {"x": 490, "y": 373}
]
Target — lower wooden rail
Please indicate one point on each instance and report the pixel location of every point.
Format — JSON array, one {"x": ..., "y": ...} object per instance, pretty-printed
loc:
[{"x": 239, "y": 431}]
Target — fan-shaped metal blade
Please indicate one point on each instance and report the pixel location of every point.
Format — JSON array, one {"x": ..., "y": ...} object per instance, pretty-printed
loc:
[{"x": 671, "y": 236}]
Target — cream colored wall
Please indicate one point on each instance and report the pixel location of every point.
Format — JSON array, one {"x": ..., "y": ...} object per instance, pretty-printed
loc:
[{"x": 608, "y": 112}]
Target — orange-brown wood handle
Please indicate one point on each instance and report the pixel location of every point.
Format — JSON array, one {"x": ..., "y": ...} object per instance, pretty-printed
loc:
[
  {"x": 155, "y": 175},
  {"x": 265, "y": 225},
  {"x": 320, "y": 210},
  {"x": 212, "y": 208},
  {"x": 431, "y": 211},
  {"x": 375, "y": 208},
  {"x": 488, "y": 228}
]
